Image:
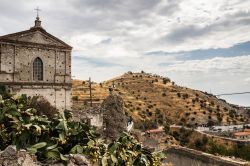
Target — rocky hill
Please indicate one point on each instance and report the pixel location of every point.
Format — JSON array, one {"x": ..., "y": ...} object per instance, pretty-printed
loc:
[{"x": 152, "y": 100}]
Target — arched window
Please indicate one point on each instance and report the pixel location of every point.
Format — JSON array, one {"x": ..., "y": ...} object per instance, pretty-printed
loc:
[{"x": 38, "y": 69}]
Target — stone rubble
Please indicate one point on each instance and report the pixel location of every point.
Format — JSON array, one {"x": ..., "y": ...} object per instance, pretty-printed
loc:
[{"x": 11, "y": 157}]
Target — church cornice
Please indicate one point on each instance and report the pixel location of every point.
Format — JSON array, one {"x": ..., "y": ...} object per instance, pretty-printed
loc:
[
  {"x": 36, "y": 84},
  {"x": 30, "y": 44}
]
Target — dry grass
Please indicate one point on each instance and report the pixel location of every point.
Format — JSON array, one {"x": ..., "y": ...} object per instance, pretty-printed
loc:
[{"x": 151, "y": 101}]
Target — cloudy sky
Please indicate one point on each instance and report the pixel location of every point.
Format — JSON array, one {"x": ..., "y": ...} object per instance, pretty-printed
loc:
[{"x": 201, "y": 44}]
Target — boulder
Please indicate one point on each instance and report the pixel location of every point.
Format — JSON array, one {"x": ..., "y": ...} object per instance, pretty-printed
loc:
[
  {"x": 78, "y": 159},
  {"x": 9, "y": 151},
  {"x": 114, "y": 118}
]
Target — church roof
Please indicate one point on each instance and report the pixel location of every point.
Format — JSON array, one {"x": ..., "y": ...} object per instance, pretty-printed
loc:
[{"x": 35, "y": 36}]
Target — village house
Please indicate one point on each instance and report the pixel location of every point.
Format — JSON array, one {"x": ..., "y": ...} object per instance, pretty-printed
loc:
[
  {"x": 155, "y": 133},
  {"x": 153, "y": 138},
  {"x": 36, "y": 63},
  {"x": 244, "y": 135}
]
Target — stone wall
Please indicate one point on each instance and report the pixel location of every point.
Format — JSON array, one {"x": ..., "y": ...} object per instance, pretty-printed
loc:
[
  {"x": 58, "y": 96},
  {"x": 93, "y": 116},
  {"x": 180, "y": 156},
  {"x": 17, "y": 61}
]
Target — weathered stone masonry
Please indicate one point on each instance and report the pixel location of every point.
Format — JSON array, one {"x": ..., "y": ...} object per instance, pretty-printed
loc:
[{"x": 17, "y": 54}]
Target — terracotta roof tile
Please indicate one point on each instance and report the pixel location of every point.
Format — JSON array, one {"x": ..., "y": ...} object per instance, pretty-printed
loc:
[{"x": 242, "y": 133}]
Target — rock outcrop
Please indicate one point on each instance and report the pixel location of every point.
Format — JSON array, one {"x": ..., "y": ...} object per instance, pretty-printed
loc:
[{"x": 114, "y": 118}]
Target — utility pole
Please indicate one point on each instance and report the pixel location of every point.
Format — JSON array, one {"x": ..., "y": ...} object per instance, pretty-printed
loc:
[{"x": 90, "y": 91}]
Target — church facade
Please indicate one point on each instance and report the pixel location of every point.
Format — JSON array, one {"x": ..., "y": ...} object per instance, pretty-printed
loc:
[{"x": 36, "y": 63}]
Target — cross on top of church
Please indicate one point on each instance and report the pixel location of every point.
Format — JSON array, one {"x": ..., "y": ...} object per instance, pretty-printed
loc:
[
  {"x": 37, "y": 11},
  {"x": 37, "y": 21}
]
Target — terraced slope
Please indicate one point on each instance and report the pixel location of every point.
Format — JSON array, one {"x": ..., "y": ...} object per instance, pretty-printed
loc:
[{"x": 152, "y": 100}]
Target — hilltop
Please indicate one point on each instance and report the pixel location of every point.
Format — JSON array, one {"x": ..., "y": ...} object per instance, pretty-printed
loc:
[{"x": 152, "y": 100}]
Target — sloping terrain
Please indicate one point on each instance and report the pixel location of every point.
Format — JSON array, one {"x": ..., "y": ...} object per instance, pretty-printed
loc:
[{"x": 152, "y": 99}]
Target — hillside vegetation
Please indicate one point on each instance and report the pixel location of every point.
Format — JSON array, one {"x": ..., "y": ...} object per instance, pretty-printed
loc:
[{"x": 152, "y": 100}]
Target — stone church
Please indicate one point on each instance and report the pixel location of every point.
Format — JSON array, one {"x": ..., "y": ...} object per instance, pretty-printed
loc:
[{"x": 36, "y": 63}]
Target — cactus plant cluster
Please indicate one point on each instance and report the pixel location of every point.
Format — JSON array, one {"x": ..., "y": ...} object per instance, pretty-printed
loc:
[{"x": 53, "y": 139}]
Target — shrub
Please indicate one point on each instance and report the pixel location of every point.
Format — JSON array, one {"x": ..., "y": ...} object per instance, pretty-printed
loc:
[
  {"x": 176, "y": 135},
  {"x": 193, "y": 101},
  {"x": 42, "y": 106},
  {"x": 166, "y": 80},
  {"x": 160, "y": 121},
  {"x": 198, "y": 144},
  {"x": 219, "y": 118},
  {"x": 210, "y": 123},
  {"x": 185, "y": 96},
  {"x": 25, "y": 128},
  {"x": 157, "y": 111},
  {"x": 75, "y": 98},
  {"x": 4, "y": 92},
  {"x": 218, "y": 108},
  {"x": 203, "y": 104},
  {"x": 150, "y": 106},
  {"x": 183, "y": 120},
  {"x": 232, "y": 113},
  {"x": 225, "y": 109},
  {"x": 178, "y": 94},
  {"x": 185, "y": 136},
  {"x": 166, "y": 128}
]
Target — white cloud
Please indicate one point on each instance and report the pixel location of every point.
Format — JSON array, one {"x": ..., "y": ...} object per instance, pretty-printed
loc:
[
  {"x": 133, "y": 28},
  {"x": 223, "y": 64},
  {"x": 247, "y": 80},
  {"x": 217, "y": 75}
]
